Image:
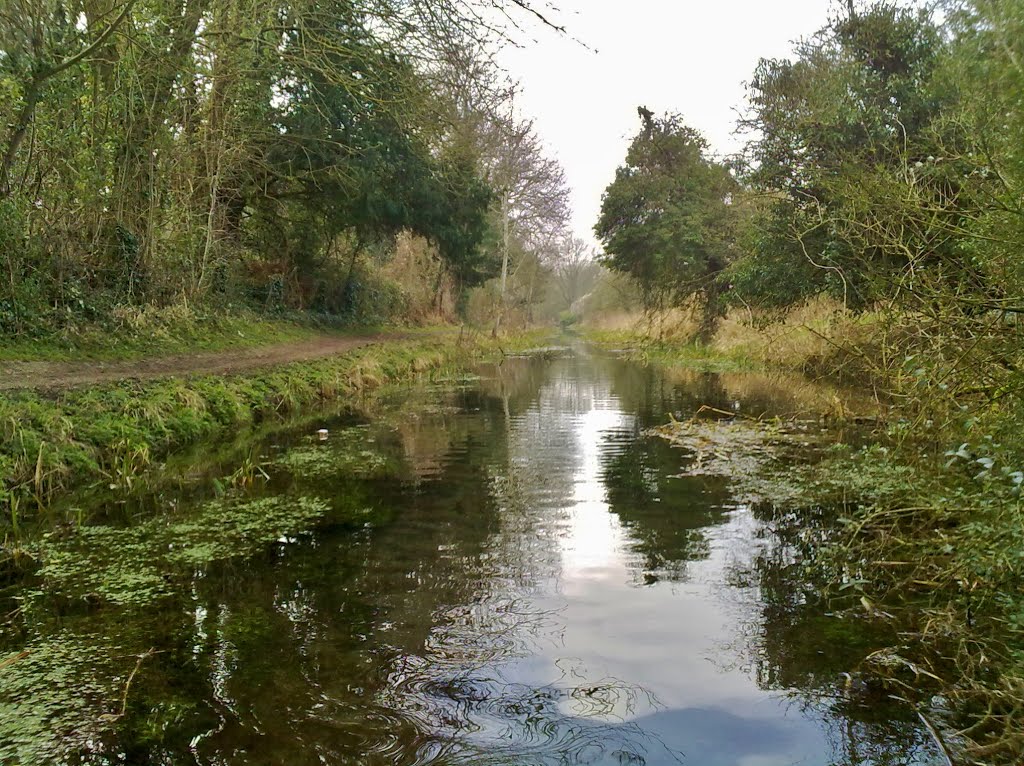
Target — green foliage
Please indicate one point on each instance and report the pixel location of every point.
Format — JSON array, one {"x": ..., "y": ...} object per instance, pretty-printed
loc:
[
  {"x": 666, "y": 218},
  {"x": 459, "y": 224},
  {"x": 567, "y": 320},
  {"x": 642, "y": 348},
  {"x": 772, "y": 272},
  {"x": 835, "y": 126},
  {"x": 252, "y": 161},
  {"x": 930, "y": 540}
]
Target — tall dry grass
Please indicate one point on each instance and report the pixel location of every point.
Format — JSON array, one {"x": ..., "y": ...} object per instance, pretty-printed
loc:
[
  {"x": 416, "y": 267},
  {"x": 818, "y": 336}
]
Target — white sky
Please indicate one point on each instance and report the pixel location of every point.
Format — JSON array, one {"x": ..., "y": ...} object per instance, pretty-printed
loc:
[{"x": 686, "y": 56}]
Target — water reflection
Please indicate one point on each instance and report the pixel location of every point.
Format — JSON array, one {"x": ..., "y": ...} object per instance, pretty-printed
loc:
[{"x": 535, "y": 583}]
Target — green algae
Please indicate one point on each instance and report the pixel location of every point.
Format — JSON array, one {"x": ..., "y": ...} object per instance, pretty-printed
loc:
[
  {"x": 57, "y": 696},
  {"x": 135, "y": 565}
]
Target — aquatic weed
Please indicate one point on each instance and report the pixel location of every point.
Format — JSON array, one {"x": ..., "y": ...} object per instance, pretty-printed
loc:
[
  {"x": 345, "y": 452},
  {"x": 134, "y": 566},
  {"x": 53, "y": 697}
]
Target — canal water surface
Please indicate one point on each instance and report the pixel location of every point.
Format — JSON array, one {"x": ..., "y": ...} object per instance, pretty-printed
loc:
[{"x": 504, "y": 569}]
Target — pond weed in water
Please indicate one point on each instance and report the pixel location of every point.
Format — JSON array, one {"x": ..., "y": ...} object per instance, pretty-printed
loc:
[{"x": 134, "y": 565}]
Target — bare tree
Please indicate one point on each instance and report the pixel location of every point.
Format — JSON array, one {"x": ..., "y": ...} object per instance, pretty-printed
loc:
[
  {"x": 533, "y": 197},
  {"x": 575, "y": 270}
]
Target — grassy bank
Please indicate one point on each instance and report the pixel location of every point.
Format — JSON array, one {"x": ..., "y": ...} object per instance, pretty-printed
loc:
[
  {"x": 134, "y": 333},
  {"x": 50, "y": 443},
  {"x": 817, "y": 338}
]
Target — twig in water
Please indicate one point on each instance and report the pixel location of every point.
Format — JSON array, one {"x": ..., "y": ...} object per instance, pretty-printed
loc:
[
  {"x": 15, "y": 658},
  {"x": 128, "y": 684},
  {"x": 938, "y": 738}
]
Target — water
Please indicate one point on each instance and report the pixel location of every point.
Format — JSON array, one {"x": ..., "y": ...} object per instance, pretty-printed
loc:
[{"x": 528, "y": 579}]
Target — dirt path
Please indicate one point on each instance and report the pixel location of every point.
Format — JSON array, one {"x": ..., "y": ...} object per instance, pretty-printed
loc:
[{"x": 63, "y": 375}]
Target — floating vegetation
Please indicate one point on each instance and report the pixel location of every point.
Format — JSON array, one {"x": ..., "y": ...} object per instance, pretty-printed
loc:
[
  {"x": 461, "y": 379},
  {"x": 748, "y": 451},
  {"x": 344, "y": 452},
  {"x": 135, "y": 565},
  {"x": 721, "y": 448},
  {"x": 60, "y": 696},
  {"x": 56, "y": 697}
]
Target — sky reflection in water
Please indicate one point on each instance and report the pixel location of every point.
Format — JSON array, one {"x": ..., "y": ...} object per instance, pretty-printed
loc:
[{"x": 616, "y": 652}]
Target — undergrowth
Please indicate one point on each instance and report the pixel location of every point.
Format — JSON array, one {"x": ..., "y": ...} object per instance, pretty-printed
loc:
[
  {"x": 932, "y": 541},
  {"x": 919, "y": 530},
  {"x": 818, "y": 338}
]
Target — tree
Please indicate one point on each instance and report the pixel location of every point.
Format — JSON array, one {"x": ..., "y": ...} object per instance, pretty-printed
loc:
[
  {"x": 160, "y": 150},
  {"x": 530, "y": 197},
  {"x": 888, "y": 161},
  {"x": 836, "y": 133},
  {"x": 575, "y": 270},
  {"x": 39, "y": 41},
  {"x": 666, "y": 219}
]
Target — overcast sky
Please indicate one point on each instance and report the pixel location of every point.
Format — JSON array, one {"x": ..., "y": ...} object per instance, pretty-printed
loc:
[{"x": 686, "y": 56}]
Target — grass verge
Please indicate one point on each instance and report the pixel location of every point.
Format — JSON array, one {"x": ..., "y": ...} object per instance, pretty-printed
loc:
[
  {"x": 110, "y": 434},
  {"x": 131, "y": 333}
]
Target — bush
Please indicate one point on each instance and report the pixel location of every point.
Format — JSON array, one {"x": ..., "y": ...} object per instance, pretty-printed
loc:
[{"x": 567, "y": 319}]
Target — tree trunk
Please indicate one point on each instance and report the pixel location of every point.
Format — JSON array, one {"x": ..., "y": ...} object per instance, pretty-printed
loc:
[
  {"x": 505, "y": 234},
  {"x": 137, "y": 187},
  {"x": 711, "y": 312},
  {"x": 18, "y": 131},
  {"x": 346, "y": 295},
  {"x": 439, "y": 290}
]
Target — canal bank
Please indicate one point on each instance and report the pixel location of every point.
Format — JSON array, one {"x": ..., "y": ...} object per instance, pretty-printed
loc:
[{"x": 502, "y": 568}]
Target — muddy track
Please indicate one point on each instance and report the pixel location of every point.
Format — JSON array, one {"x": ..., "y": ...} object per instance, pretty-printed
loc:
[{"x": 55, "y": 376}]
